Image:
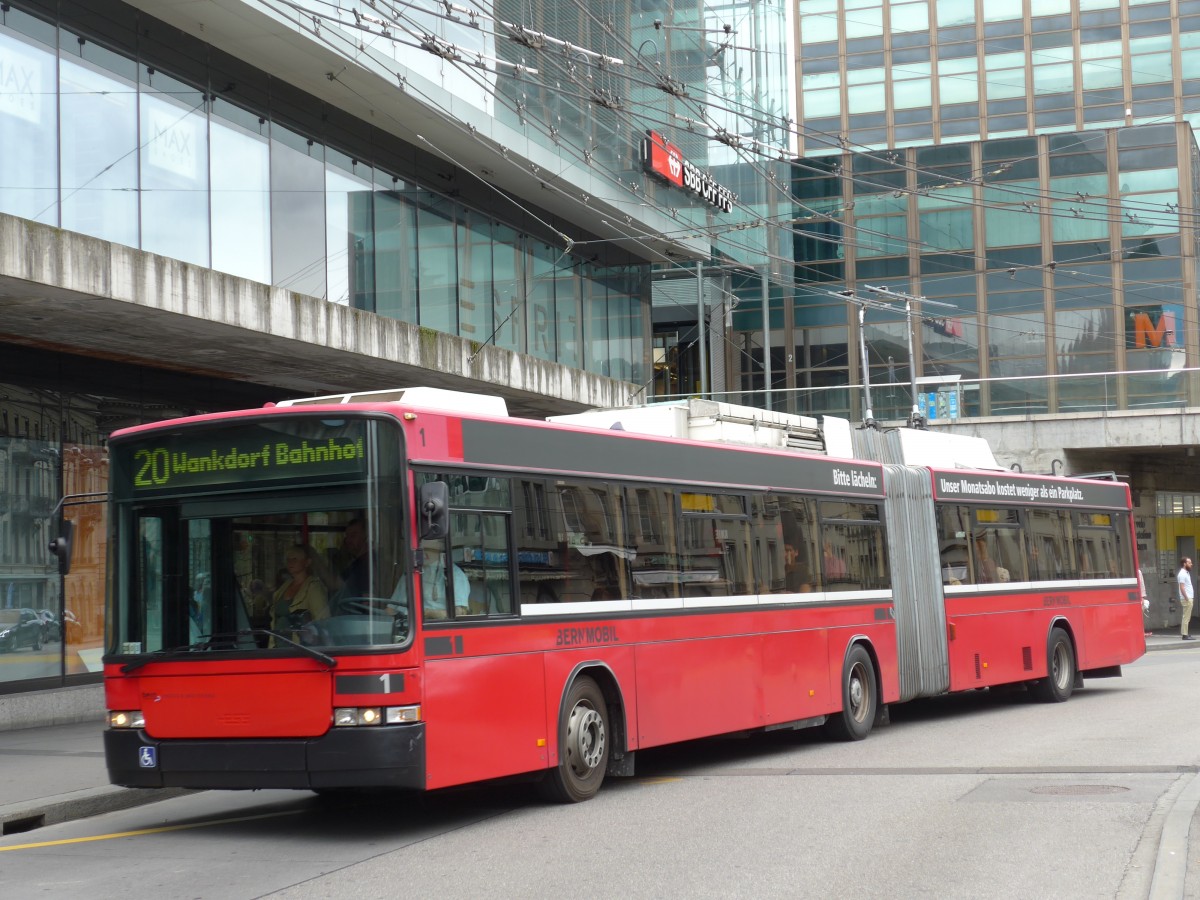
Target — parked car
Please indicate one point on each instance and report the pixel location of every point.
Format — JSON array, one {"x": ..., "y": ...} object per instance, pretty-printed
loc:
[
  {"x": 51, "y": 626},
  {"x": 20, "y": 628}
]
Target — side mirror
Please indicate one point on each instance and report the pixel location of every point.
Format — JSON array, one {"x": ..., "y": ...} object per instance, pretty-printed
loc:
[
  {"x": 61, "y": 546},
  {"x": 434, "y": 510}
]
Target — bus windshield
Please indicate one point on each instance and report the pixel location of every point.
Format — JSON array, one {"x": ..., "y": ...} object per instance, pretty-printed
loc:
[{"x": 259, "y": 535}]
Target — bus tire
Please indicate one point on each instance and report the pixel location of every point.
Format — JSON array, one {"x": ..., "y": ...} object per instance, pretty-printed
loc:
[
  {"x": 583, "y": 746},
  {"x": 859, "y": 698},
  {"x": 1060, "y": 669}
]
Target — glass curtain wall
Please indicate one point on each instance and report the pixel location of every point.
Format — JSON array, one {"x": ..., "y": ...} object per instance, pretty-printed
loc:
[
  {"x": 896, "y": 73},
  {"x": 1057, "y": 281},
  {"x": 51, "y": 446},
  {"x": 98, "y": 142}
]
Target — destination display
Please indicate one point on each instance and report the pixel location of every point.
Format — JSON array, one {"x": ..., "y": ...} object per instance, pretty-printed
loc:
[
  {"x": 1007, "y": 489},
  {"x": 236, "y": 455}
]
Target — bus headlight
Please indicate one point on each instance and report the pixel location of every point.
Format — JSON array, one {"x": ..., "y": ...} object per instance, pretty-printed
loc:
[
  {"x": 397, "y": 715},
  {"x": 346, "y": 716},
  {"x": 122, "y": 718}
]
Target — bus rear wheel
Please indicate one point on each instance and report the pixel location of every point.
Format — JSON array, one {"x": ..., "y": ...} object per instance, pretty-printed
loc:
[
  {"x": 1060, "y": 670},
  {"x": 582, "y": 746},
  {"x": 859, "y": 698}
]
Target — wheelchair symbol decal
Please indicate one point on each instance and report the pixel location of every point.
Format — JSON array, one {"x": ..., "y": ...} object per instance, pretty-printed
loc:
[{"x": 148, "y": 757}]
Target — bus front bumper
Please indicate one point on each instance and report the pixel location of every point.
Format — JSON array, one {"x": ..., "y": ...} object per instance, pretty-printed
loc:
[{"x": 391, "y": 756}]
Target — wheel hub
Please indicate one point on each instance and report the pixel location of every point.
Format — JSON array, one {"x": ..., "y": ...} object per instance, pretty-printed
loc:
[{"x": 585, "y": 739}]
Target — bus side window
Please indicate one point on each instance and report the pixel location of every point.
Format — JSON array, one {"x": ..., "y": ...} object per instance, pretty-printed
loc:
[
  {"x": 652, "y": 517},
  {"x": 479, "y": 544},
  {"x": 536, "y": 545},
  {"x": 953, "y": 524},
  {"x": 853, "y": 548},
  {"x": 797, "y": 568},
  {"x": 1048, "y": 544}
]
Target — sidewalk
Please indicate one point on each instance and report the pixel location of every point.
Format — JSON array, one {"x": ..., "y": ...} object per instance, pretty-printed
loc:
[{"x": 56, "y": 773}]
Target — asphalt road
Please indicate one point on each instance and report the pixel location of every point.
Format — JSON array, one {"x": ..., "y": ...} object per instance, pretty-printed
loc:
[{"x": 979, "y": 795}]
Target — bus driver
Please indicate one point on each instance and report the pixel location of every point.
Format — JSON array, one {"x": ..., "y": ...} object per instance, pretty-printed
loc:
[{"x": 433, "y": 586}]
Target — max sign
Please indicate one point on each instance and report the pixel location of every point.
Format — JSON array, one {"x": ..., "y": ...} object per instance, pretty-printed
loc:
[{"x": 664, "y": 160}]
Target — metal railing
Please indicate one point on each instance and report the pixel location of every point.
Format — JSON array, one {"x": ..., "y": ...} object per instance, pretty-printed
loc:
[{"x": 1019, "y": 396}]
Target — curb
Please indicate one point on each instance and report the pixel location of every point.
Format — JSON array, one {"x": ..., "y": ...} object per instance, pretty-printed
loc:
[
  {"x": 54, "y": 706},
  {"x": 1169, "y": 642},
  {"x": 29, "y": 815},
  {"x": 1170, "y": 867}
]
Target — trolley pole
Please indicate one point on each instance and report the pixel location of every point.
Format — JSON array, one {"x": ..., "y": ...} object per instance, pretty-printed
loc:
[
  {"x": 862, "y": 304},
  {"x": 915, "y": 419},
  {"x": 869, "y": 413},
  {"x": 766, "y": 314},
  {"x": 911, "y": 310},
  {"x": 701, "y": 326}
]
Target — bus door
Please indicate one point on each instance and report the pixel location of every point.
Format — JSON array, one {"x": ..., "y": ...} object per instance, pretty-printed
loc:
[{"x": 484, "y": 690}]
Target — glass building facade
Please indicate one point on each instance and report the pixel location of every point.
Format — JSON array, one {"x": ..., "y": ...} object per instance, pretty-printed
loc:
[
  {"x": 1058, "y": 280},
  {"x": 103, "y": 142},
  {"x": 895, "y": 73},
  {"x": 1029, "y": 168}
]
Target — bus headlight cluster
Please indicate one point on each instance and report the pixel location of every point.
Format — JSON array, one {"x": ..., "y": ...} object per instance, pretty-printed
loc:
[
  {"x": 375, "y": 715},
  {"x": 126, "y": 718}
]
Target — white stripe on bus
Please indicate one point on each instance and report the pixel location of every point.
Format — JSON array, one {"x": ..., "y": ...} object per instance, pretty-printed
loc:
[{"x": 600, "y": 607}]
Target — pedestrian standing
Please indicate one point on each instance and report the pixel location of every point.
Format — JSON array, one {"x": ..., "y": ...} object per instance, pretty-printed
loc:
[
  {"x": 1187, "y": 594},
  {"x": 1145, "y": 603}
]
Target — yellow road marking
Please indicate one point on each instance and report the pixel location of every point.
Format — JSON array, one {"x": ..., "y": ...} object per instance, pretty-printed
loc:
[
  {"x": 659, "y": 780},
  {"x": 144, "y": 831}
]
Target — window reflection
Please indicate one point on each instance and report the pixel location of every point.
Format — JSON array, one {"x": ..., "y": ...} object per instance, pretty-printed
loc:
[
  {"x": 98, "y": 116},
  {"x": 28, "y": 144},
  {"x": 241, "y": 199},
  {"x": 395, "y": 253},
  {"x": 437, "y": 259},
  {"x": 348, "y": 229},
  {"x": 174, "y": 171},
  {"x": 297, "y": 214},
  {"x": 542, "y": 338}
]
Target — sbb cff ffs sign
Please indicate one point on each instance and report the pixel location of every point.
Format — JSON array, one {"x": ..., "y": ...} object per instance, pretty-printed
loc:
[{"x": 664, "y": 160}]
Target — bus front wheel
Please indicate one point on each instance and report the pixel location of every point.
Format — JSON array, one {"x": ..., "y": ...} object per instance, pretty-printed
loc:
[
  {"x": 859, "y": 697},
  {"x": 582, "y": 746},
  {"x": 1060, "y": 670}
]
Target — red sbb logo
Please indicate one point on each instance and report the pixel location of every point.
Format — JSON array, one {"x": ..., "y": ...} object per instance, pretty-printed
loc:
[{"x": 664, "y": 160}]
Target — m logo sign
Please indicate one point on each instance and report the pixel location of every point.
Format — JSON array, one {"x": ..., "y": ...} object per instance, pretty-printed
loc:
[{"x": 1152, "y": 327}]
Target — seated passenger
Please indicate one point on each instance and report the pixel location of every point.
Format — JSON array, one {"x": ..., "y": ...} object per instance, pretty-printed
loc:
[
  {"x": 301, "y": 599},
  {"x": 354, "y": 577},
  {"x": 796, "y": 576},
  {"x": 985, "y": 566}
]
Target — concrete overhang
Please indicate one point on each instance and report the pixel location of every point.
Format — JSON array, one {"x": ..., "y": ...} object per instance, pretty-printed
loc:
[
  {"x": 77, "y": 294},
  {"x": 354, "y": 78},
  {"x": 1157, "y": 443}
]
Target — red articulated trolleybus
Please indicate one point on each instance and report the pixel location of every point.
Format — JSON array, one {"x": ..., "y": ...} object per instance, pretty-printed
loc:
[{"x": 410, "y": 589}]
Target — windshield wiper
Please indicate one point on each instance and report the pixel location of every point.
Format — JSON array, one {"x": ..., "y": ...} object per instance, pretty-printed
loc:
[
  {"x": 229, "y": 640},
  {"x": 329, "y": 661}
]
